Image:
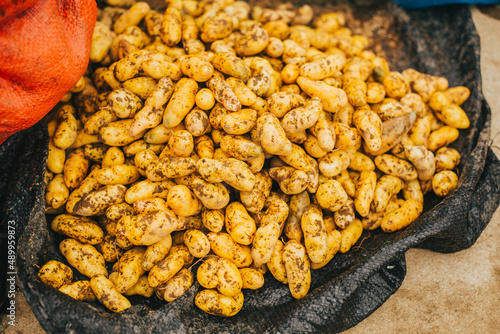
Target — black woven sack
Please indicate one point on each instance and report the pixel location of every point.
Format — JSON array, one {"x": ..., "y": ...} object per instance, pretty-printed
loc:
[{"x": 439, "y": 41}]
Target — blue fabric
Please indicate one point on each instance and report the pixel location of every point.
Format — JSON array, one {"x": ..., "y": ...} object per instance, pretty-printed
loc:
[{"x": 428, "y": 3}]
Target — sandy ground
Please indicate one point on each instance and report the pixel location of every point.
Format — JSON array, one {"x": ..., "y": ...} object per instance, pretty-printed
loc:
[{"x": 442, "y": 293}]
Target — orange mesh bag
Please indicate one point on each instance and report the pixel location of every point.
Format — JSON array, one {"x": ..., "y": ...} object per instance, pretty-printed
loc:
[{"x": 44, "y": 48}]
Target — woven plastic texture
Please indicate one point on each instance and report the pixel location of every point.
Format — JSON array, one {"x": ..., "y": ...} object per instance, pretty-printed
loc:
[{"x": 439, "y": 41}]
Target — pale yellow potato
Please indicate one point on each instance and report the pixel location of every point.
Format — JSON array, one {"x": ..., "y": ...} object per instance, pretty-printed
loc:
[
  {"x": 231, "y": 65},
  {"x": 442, "y": 137},
  {"x": 369, "y": 125},
  {"x": 252, "y": 42},
  {"x": 223, "y": 93},
  {"x": 444, "y": 182},
  {"x": 281, "y": 103},
  {"x": 347, "y": 183},
  {"x": 156, "y": 252},
  {"x": 344, "y": 115},
  {"x": 290, "y": 73},
  {"x": 131, "y": 17},
  {"x": 361, "y": 162},
  {"x": 197, "y": 68},
  {"x": 232, "y": 171},
  {"x": 402, "y": 217},
  {"x": 332, "y": 98},
  {"x": 116, "y": 133},
  {"x": 108, "y": 295},
  {"x": 229, "y": 278},
  {"x": 373, "y": 220},
  {"x": 197, "y": 243},
  {"x": 181, "y": 143},
  {"x": 413, "y": 190},
  {"x": 158, "y": 65},
  {"x": 183, "y": 202},
  {"x": 390, "y": 108},
  {"x": 315, "y": 237},
  {"x": 334, "y": 163},
  {"x": 297, "y": 269},
  {"x": 395, "y": 85},
  {"x": 66, "y": 132},
  {"x": 143, "y": 159},
  {"x": 271, "y": 135},
  {"x": 197, "y": 122},
  {"x": 334, "y": 240},
  {"x": 256, "y": 164},
  {"x": 416, "y": 103},
  {"x": 454, "y": 116},
  {"x": 170, "y": 167},
  {"x": 350, "y": 235},
  {"x": 171, "y": 28},
  {"x": 423, "y": 160},
  {"x": 323, "y": 68},
  {"x": 239, "y": 224},
  {"x": 217, "y": 27},
  {"x": 181, "y": 102},
  {"x": 151, "y": 114},
  {"x": 124, "y": 103},
  {"x": 207, "y": 272},
  {"x": 276, "y": 263},
  {"x": 291, "y": 181},
  {"x": 114, "y": 156},
  {"x": 215, "y": 303},
  {"x": 386, "y": 187},
  {"x": 394, "y": 166},
  {"x": 79, "y": 290},
  {"x": 324, "y": 133},
  {"x": 57, "y": 193},
  {"x": 240, "y": 148},
  {"x": 75, "y": 168},
  {"x": 252, "y": 279},
  {"x": 346, "y": 215},
  {"x": 102, "y": 39},
  {"x": 224, "y": 246},
  {"x": 164, "y": 270},
  {"x": 204, "y": 147},
  {"x": 205, "y": 99},
  {"x": 345, "y": 138},
  {"x": 117, "y": 174},
  {"x": 55, "y": 158},
  {"x": 176, "y": 286},
  {"x": 140, "y": 288},
  {"x": 213, "y": 220},
  {"x": 447, "y": 159},
  {"x": 302, "y": 118},
  {"x": 55, "y": 274},
  {"x": 212, "y": 195},
  {"x": 95, "y": 152},
  {"x": 420, "y": 131},
  {"x": 298, "y": 205},
  {"x": 375, "y": 92},
  {"x": 271, "y": 226},
  {"x": 83, "y": 229},
  {"x": 88, "y": 185},
  {"x": 84, "y": 258},
  {"x": 457, "y": 95},
  {"x": 99, "y": 119},
  {"x": 255, "y": 199},
  {"x": 129, "y": 269},
  {"x": 264, "y": 79},
  {"x": 365, "y": 189},
  {"x": 331, "y": 196},
  {"x": 293, "y": 51},
  {"x": 109, "y": 249},
  {"x": 146, "y": 188},
  {"x": 96, "y": 202},
  {"x": 147, "y": 228},
  {"x": 141, "y": 86}
]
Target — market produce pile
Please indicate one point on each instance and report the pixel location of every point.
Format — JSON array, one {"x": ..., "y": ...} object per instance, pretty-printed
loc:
[{"x": 244, "y": 139}]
